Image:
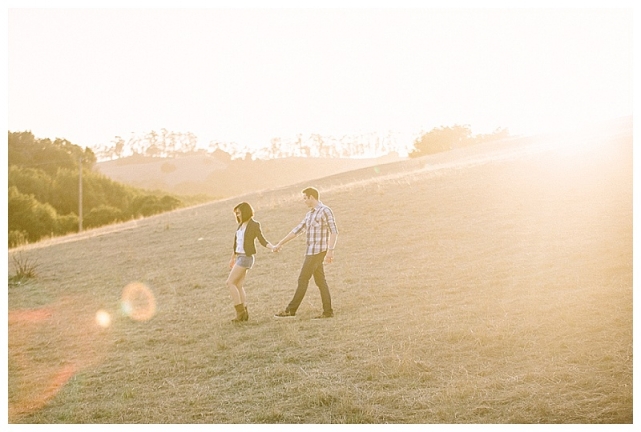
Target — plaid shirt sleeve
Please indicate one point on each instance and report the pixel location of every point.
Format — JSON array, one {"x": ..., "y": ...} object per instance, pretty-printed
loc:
[
  {"x": 298, "y": 228},
  {"x": 329, "y": 217}
]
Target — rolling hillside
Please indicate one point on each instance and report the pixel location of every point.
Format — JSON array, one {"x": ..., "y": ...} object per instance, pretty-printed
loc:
[
  {"x": 203, "y": 174},
  {"x": 486, "y": 285}
]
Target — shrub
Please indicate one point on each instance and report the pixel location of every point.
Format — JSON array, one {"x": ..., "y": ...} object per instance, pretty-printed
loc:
[
  {"x": 67, "y": 223},
  {"x": 24, "y": 269},
  {"x": 17, "y": 238},
  {"x": 102, "y": 215}
]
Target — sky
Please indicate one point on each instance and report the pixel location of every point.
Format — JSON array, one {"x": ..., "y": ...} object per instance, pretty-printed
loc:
[{"x": 249, "y": 75}]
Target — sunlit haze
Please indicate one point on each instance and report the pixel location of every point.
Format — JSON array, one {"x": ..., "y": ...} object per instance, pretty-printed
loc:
[
  {"x": 488, "y": 280},
  {"x": 248, "y": 75}
]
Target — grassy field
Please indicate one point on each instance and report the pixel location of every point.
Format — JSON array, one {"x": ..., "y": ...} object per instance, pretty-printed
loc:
[{"x": 468, "y": 287}]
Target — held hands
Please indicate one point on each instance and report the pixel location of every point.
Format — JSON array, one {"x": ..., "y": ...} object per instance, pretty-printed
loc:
[{"x": 274, "y": 248}]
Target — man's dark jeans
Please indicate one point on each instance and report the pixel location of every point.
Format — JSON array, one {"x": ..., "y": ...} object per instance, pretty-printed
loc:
[{"x": 312, "y": 266}]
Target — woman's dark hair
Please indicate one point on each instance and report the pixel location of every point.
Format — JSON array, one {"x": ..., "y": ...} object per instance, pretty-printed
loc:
[{"x": 246, "y": 212}]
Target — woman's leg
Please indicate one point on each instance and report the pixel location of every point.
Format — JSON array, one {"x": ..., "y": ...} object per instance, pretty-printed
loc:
[
  {"x": 235, "y": 284},
  {"x": 241, "y": 287}
]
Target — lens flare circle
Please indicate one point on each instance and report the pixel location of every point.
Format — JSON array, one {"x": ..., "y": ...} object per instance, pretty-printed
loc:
[
  {"x": 103, "y": 318},
  {"x": 138, "y": 302}
]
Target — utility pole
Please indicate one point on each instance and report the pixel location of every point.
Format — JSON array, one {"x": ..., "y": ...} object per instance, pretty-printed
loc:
[{"x": 80, "y": 194}]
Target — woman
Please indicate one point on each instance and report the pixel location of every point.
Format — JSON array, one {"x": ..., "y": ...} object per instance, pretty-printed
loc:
[{"x": 242, "y": 257}]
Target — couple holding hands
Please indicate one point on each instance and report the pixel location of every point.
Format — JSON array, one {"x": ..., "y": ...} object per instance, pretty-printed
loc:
[{"x": 321, "y": 232}]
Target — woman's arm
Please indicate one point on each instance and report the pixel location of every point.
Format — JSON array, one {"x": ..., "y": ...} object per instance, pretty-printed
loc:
[{"x": 261, "y": 238}]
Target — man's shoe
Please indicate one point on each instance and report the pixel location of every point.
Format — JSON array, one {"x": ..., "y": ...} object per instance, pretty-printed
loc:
[
  {"x": 324, "y": 315},
  {"x": 285, "y": 314}
]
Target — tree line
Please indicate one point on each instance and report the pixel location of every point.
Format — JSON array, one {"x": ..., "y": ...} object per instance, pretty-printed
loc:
[
  {"x": 44, "y": 191},
  {"x": 171, "y": 144}
]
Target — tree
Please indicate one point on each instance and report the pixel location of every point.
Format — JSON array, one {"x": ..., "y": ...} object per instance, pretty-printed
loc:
[
  {"x": 191, "y": 142},
  {"x": 64, "y": 191},
  {"x": 28, "y": 215},
  {"x": 441, "y": 139},
  {"x": 275, "y": 148},
  {"x": 31, "y": 181},
  {"x": 119, "y": 146},
  {"x": 27, "y": 151}
]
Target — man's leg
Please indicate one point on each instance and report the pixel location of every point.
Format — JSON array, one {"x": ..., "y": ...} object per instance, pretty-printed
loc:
[
  {"x": 321, "y": 282},
  {"x": 309, "y": 267}
]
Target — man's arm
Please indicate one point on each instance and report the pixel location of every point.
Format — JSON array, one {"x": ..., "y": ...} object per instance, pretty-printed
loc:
[
  {"x": 333, "y": 238},
  {"x": 285, "y": 239}
]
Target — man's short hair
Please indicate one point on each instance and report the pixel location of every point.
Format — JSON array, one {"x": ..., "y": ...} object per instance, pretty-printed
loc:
[{"x": 310, "y": 191}]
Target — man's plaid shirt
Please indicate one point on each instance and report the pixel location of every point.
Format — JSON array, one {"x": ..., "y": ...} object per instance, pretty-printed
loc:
[{"x": 318, "y": 224}]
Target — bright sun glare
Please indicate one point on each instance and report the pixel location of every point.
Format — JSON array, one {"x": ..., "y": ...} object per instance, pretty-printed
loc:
[
  {"x": 103, "y": 319},
  {"x": 391, "y": 70}
]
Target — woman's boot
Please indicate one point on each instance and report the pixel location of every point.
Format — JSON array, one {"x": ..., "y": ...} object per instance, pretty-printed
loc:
[{"x": 240, "y": 313}]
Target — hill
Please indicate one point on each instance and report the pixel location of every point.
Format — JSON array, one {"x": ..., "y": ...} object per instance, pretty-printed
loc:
[
  {"x": 487, "y": 285},
  {"x": 217, "y": 177}
]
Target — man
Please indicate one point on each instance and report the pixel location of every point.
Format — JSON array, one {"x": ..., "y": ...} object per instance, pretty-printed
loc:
[{"x": 322, "y": 235}]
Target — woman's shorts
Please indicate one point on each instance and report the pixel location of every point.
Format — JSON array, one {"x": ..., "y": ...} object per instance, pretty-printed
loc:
[{"x": 245, "y": 261}]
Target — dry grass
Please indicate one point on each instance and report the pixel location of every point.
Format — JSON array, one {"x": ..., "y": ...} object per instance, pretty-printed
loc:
[
  {"x": 466, "y": 290},
  {"x": 23, "y": 269}
]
